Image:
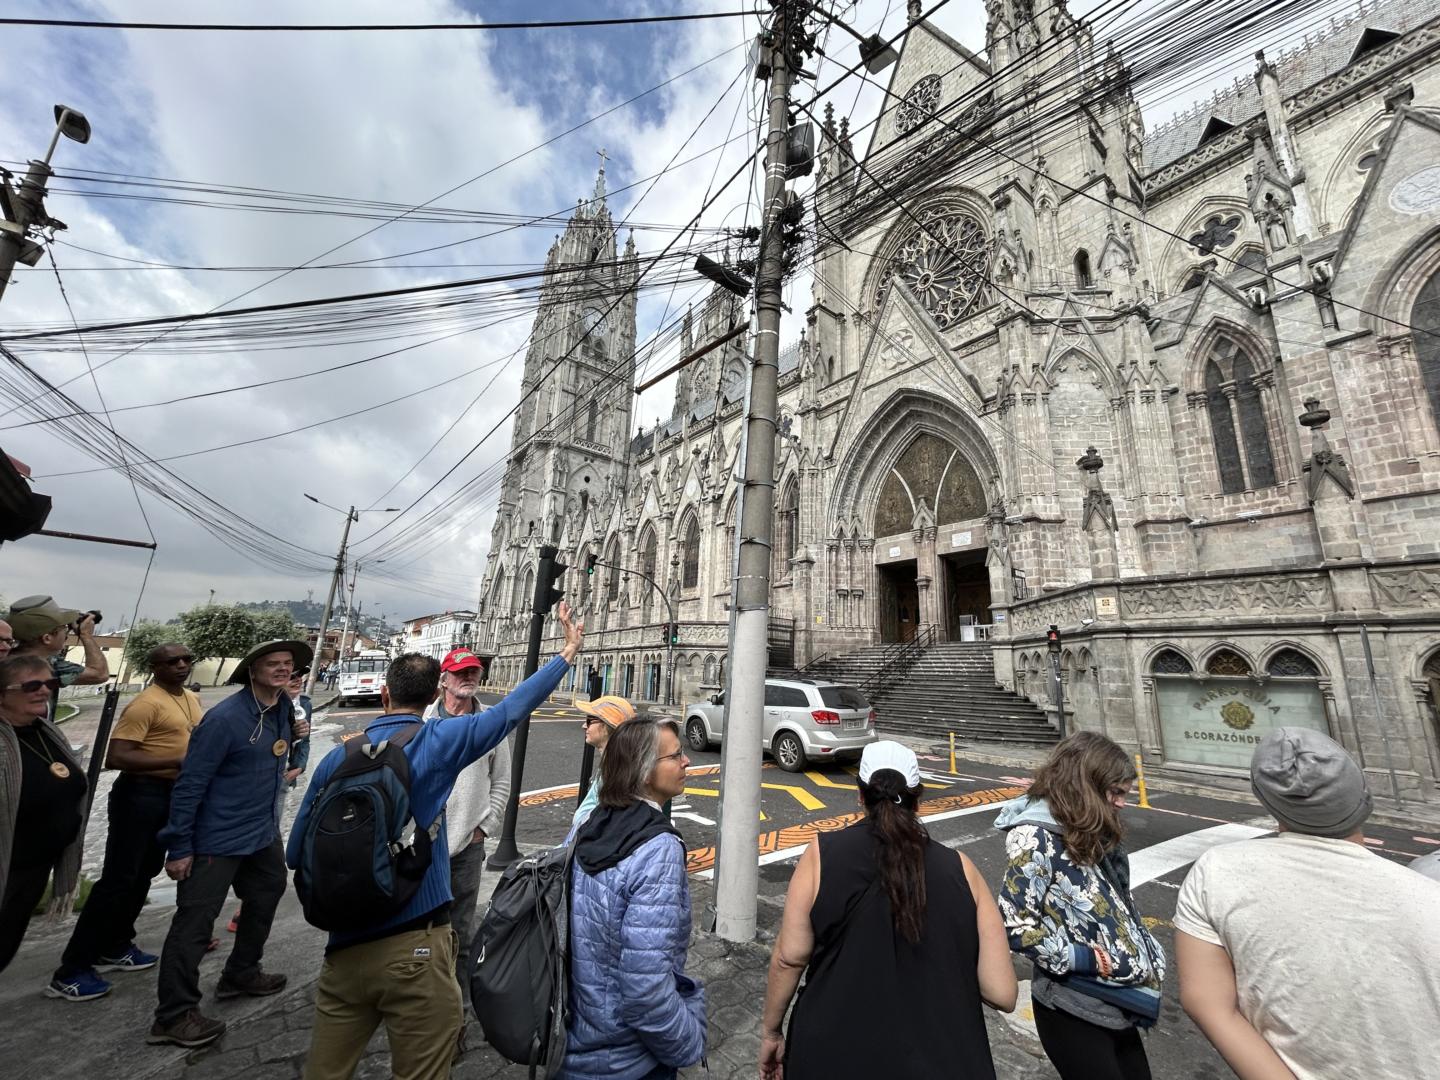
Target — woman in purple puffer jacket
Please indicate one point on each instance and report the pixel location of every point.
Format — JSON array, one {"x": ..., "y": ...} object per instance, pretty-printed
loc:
[{"x": 634, "y": 1015}]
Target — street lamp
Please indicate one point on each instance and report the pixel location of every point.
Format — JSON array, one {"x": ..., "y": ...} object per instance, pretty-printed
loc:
[{"x": 875, "y": 52}]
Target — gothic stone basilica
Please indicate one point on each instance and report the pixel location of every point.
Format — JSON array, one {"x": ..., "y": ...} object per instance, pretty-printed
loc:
[{"x": 1176, "y": 392}]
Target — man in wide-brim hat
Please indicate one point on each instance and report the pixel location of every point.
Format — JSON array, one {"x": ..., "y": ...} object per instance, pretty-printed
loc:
[{"x": 224, "y": 832}]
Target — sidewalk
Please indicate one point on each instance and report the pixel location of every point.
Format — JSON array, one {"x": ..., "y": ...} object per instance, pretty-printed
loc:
[{"x": 268, "y": 1038}]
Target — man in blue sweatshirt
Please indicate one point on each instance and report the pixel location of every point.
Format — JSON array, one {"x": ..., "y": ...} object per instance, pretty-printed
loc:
[
  {"x": 402, "y": 972},
  {"x": 224, "y": 833}
]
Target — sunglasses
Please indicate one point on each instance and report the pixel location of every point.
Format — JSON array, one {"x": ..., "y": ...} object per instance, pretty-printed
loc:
[
  {"x": 177, "y": 660},
  {"x": 29, "y": 686},
  {"x": 591, "y": 720}
]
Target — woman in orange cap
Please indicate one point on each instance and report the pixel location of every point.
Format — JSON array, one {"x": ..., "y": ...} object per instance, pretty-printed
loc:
[{"x": 602, "y": 716}]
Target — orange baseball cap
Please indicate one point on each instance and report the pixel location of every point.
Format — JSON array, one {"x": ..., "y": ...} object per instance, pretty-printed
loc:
[{"x": 613, "y": 710}]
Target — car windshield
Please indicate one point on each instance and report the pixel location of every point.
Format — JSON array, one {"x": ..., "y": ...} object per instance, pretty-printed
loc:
[{"x": 843, "y": 697}]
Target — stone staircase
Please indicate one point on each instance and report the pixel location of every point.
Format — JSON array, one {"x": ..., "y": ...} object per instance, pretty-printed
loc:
[{"x": 950, "y": 687}]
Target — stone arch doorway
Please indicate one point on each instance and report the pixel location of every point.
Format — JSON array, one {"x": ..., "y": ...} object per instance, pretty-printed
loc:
[{"x": 930, "y": 553}]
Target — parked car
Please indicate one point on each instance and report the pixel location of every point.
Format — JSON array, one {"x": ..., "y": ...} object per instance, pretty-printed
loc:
[{"x": 806, "y": 721}]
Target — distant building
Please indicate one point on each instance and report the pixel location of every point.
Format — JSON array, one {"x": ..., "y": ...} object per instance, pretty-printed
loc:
[{"x": 436, "y": 635}]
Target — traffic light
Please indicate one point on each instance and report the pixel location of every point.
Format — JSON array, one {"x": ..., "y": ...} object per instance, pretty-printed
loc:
[
  {"x": 1052, "y": 638},
  {"x": 665, "y": 633},
  {"x": 548, "y": 575},
  {"x": 673, "y": 638},
  {"x": 590, "y": 560}
]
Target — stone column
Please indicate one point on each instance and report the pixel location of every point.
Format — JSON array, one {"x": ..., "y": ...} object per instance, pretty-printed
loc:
[
  {"x": 1231, "y": 392},
  {"x": 927, "y": 574},
  {"x": 1279, "y": 437}
]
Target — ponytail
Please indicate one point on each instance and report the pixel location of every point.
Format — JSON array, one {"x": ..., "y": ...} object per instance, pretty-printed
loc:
[{"x": 890, "y": 806}]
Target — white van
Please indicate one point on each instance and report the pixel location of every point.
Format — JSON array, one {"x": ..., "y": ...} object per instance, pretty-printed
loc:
[{"x": 362, "y": 677}]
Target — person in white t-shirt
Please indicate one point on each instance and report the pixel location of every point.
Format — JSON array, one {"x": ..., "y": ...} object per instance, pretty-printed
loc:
[{"x": 1306, "y": 956}]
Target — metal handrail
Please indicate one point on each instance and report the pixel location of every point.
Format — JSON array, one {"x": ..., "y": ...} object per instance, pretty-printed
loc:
[{"x": 898, "y": 659}]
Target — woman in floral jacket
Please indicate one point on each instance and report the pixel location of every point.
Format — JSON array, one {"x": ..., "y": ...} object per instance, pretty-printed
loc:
[{"x": 1067, "y": 906}]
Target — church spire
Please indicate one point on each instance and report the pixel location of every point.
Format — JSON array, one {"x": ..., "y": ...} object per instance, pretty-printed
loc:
[{"x": 598, "y": 199}]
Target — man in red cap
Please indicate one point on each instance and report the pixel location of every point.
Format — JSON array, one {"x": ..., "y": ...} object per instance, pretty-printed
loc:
[{"x": 475, "y": 809}]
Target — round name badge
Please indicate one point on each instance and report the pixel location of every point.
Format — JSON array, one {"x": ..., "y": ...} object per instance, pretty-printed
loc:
[
  {"x": 60, "y": 769},
  {"x": 279, "y": 748}
]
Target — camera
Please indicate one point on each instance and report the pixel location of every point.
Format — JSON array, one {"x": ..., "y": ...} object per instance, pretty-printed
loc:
[{"x": 75, "y": 626}]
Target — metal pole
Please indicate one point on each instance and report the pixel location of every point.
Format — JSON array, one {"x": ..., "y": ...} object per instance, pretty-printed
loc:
[
  {"x": 102, "y": 741},
  {"x": 737, "y": 872},
  {"x": 1057, "y": 689},
  {"x": 1380, "y": 714},
  {"x": 349, "y": 608},
  {"x": 330, "y": 600},
  {"x": 505, "y": 851}
]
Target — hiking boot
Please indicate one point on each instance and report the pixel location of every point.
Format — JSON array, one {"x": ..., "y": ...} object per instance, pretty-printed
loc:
[
  {"x": 190, "y": 1030},
  {"x": 82, "y": 986},
  {"x": 132, "y": 959},
  {"x": 254, "y": 983}
]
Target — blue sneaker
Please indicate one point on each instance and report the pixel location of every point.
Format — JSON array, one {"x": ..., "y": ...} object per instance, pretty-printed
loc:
[
  {"x": 132, "y": 959},
  {"x": 84, "y": 986}
]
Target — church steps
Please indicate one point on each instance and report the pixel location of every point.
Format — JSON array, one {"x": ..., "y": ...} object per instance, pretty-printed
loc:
[{"x": 950, "y": 687}]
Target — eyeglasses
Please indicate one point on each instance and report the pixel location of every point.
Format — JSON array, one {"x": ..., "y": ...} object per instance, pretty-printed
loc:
[
  {"x": 176, "y": 660},
  {"x": 9, "y": 642},
  {"x": 677, "y": 755},
  {"x": 29, "y": 686}
]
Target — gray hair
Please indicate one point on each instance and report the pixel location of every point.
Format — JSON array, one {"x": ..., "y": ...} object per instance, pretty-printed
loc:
[
  {"x": 16, "y": 665},
  {"x": 631, "y": 754}
]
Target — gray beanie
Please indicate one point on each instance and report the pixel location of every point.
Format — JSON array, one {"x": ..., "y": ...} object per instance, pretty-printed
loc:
[{"x": 1309, "y": 783}]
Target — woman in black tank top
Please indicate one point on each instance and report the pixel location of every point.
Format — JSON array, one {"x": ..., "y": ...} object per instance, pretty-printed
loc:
[{"x": 900, "y": 943}]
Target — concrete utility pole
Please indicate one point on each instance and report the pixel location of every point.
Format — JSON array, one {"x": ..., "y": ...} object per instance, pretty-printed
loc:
[
  {"x": 24, "y": 207},
  {"x": 737, "y": 874},
  {"x": 350, "y": 517}
]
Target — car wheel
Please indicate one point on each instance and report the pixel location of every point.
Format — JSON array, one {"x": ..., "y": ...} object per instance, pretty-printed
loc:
[
  {"x": 789, "y": 753},
  {"x": 696, "y": 735}
]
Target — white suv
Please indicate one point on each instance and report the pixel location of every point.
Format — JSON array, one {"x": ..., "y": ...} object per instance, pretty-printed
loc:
[{"x": 805, "y": 721}]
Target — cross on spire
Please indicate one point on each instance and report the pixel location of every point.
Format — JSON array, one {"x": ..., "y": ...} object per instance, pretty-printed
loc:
[{"x": 600, "y": 179}]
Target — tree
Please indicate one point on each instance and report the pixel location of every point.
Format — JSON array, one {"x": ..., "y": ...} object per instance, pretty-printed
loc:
[
  {"x": 142, "y": 638},
  {"x": 218, "y": 631},
  {"x": 276, "y": 624}
]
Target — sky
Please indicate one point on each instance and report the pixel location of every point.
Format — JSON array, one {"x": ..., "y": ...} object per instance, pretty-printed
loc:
[{"x": 468, "y": 120}]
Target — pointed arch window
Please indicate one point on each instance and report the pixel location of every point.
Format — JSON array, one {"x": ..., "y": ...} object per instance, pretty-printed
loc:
[
  {"x": 1227, "y": 662},
  {"x": 649, "y": 552},
  {"x": 1084, "y": 279},
  {"x": 690, "y": 554},
  {"x": 592, "y": 417},
  {"x": 1425, "y": 323},
  {"x": 1293, "y": 663},
  {"x": 612, "y": 556},
  {"x": 789, "y": 525},
  {"x": 1238, "y": 424},
  {"x": 1170, "y": 662}
]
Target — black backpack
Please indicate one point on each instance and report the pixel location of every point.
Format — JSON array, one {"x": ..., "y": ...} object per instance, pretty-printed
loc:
[
  {"x": 362, "y": 857},
  {"x": 520, "y": 972}
]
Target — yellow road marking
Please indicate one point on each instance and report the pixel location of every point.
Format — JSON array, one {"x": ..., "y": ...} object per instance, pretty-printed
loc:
[
  {"x": 701, "y": 791},
  {"x": 799, "y": 794}
]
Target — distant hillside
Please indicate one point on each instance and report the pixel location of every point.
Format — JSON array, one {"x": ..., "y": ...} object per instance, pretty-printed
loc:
[{"x": 308, "y": 612}]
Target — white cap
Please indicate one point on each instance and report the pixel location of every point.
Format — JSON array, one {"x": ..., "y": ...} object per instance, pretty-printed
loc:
[{"x": 890, "y": 755}]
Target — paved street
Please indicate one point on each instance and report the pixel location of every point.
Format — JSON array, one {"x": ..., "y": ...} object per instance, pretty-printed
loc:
[{"x": 268, "y": 1037}]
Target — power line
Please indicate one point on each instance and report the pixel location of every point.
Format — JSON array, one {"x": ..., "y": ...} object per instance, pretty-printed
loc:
[{"x": 548, "y": 24}]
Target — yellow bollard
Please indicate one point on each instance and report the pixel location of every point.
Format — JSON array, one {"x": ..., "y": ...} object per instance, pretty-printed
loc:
[
  {"x": 952, "y": 753},
  {"x": 1144, "y": 803}
]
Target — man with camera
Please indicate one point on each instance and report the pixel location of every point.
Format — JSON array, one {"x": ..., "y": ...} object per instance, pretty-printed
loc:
[{"x": 42, "y": 627}]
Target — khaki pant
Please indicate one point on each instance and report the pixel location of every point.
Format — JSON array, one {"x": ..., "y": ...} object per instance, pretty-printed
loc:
[{"x": 408, "y": 981}]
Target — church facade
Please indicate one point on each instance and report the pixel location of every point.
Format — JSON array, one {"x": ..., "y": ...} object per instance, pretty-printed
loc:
[{"x": 1175, "y": 392}]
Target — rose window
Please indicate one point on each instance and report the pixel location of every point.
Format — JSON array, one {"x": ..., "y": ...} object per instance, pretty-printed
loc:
[
  {"x": 919, "y": 104},
  {"x": 942, "y": 262}
]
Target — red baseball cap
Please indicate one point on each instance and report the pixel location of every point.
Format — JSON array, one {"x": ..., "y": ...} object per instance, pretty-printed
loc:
[{"x": 459, "y": 660}]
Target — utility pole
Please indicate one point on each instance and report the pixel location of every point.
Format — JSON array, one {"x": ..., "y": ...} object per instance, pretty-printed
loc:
[
  {"x": 350, "y": 517},
  {"x": 23, "y": 207},
  {"x": 737, "y": 874}
]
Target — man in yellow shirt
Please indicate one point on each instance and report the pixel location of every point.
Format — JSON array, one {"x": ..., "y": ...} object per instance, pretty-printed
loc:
[{"x": 147, "y": 746}]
